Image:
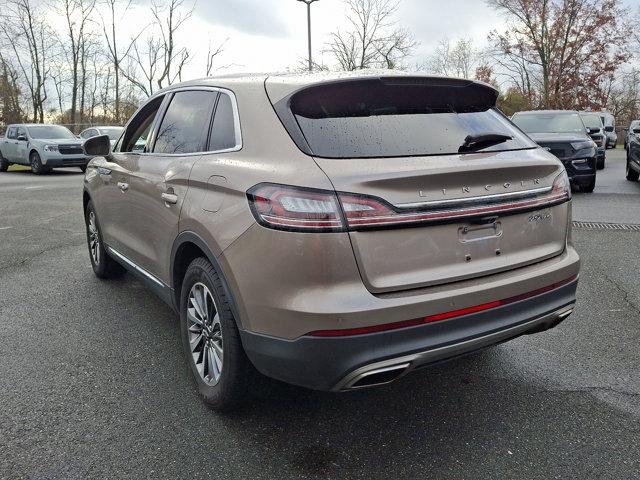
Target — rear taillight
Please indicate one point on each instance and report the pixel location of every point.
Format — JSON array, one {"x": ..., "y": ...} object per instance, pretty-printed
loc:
[
  {"x": 310, "y": 210},
  {"x": 298, "y": 209}
]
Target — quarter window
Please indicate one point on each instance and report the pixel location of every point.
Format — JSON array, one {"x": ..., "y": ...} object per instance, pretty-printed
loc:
[
  {"x": 185, "y": 125},
  {"x": 223, "y": 131},
  {"x": 12, "y": 133}
]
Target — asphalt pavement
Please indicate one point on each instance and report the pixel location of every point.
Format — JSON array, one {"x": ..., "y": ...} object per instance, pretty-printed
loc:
[{"x": 93, "y": 383}]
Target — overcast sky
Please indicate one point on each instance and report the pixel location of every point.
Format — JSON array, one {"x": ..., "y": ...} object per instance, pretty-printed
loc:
[{"x": 270, "y": 35}]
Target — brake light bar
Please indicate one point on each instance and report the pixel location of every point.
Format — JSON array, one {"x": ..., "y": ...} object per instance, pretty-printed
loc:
[
  {"x": 439, "y": 316},
  {"x": 284, "y": 207}
]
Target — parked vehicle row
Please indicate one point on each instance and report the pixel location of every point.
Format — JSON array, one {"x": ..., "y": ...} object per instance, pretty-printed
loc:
[
  {"x": 331, "y": 231},
  {"x": 564, "y": 134},
  {"x": 43, "y": 147}
]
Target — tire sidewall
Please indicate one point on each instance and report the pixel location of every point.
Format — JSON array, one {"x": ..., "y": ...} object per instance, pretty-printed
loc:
[
  {"x": 212, "y": 394},
  {"x": 36, "y": 163},
  {"x": 100, "y": 267}
]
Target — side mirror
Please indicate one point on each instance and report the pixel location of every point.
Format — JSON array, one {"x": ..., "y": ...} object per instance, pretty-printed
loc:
[
  {"x": 99, "y": 146},
  {"x": 22, "y": 138},
  {"x": 593, "y": 131},
  {"x": 636, "y": 131},
  {"x": 608, "y": 129}
]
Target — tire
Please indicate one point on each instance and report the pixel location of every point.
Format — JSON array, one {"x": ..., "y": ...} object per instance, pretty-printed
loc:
[
  {"x": 224, "y": 387},
  {"x": 36, "y": 164},
  {"x": 4, "y": 165},
  {"x": 103, "y": 265},
  {"x": 600, "y": 164},
  {"x": 590, "y": 187},
  {"x": 632, "y": 175}
]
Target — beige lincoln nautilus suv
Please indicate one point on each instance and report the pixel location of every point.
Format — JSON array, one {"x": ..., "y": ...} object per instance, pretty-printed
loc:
[{"x": 334, "y": 231}]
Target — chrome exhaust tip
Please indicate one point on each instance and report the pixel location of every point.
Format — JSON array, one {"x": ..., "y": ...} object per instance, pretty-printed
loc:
[{"x": 377, "y": 377}]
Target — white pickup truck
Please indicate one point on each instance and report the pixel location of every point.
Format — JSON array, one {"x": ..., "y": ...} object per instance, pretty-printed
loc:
[{"x": 42, "y": 147}]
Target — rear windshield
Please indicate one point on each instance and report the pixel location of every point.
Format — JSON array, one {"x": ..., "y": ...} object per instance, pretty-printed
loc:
[
  {"x": 376, "y": 119},
  {"x": 50, "y": 132},
  {"x": 549, "y": 122}
]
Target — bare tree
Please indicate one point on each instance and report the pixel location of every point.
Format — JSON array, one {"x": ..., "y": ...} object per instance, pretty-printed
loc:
[
  {"x": 458, "y": 60},
  {"x": 77, "y": 14},
  {"x": 567, "y": 46},
  {"x": 114, "y": 52},
  {"x": 31, "y": 41},
  {"x": 10, "y": 110},
  {"x": 155, "y": 60},
  {"x": 213, "y": 53},
  {"x": 372, "y": 39}
]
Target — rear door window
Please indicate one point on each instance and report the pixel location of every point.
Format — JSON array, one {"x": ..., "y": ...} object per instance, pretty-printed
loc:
[
  {"x": 377, "y": 119},
  {"x": 12, "y": 133},
  {"x": 186, "y": 123}
]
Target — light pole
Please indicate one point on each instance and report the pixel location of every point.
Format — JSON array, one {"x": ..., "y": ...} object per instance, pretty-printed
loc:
[{"x": 309, "y": 2}]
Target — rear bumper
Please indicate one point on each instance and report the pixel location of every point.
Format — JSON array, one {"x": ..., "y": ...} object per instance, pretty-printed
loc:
[{"x": 346, "y": 363}]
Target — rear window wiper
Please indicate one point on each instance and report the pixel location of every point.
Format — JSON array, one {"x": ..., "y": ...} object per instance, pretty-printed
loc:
[{"x": 474, "y": 143}]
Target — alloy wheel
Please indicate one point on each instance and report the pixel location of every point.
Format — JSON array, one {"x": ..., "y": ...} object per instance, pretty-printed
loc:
[
  {"x": 94, "y": 238},
  {"x": 205, "y": 333}
]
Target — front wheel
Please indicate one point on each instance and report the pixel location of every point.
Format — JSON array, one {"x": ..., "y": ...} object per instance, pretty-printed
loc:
[
  {"x": 632, "y": 175},
  {"x": 590, "y": 187},
  {"x": 211, "y": 340},
  {"x": 103, "y": 265},
  {"x": 36, "y": 164},
  {"x": 600, "y": 164},
  {"x": 4, "y": 165}
]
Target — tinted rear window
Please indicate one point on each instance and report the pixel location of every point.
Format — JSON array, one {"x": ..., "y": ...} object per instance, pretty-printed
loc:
[{"x": 378, "y": 119}]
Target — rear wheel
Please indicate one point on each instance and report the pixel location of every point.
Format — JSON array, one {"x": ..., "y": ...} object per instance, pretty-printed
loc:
[
  {"x": 632, "y": 175},
  {"x": 36, "y": 164},
  {"x": 103, "y": 265},
  {"x": 211, "y": 340},
  {"x": 4, "y": 165}
]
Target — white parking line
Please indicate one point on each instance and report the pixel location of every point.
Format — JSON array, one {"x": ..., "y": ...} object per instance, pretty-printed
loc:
[
  {"x": 5, "y": 228},
  {"x": 32, "y": 188}
]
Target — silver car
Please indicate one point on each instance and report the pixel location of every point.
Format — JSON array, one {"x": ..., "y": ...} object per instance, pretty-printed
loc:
[
  {"x": 112, "y": 132},
  {"x": 42, "y": 147}
]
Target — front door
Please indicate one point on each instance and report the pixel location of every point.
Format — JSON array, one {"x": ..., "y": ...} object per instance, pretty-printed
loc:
[
  {"x": 113, "y": 200},
  {"x": 22, "y": 147},
  {"x": 159, "y": 180}
]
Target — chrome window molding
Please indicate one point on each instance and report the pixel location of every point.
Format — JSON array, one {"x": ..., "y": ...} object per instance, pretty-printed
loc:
[{"x": 236, "y": 124}]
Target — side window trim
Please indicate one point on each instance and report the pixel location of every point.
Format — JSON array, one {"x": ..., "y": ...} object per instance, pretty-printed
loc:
[{"x": 155, "y": 126}]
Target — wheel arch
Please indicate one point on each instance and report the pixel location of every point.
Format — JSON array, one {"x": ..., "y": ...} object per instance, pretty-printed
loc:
[{"x": 187, "y": 247}]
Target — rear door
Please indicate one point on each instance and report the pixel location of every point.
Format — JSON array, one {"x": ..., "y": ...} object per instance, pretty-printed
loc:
[
  {"x": 476, "y": 212},
  {"x": 9, "y": 144},
  {"x": 159, "y": 180}
]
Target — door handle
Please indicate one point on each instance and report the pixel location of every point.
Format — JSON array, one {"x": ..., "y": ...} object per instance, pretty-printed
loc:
[
  {"x": 170, "y": 198},
  {"x": 123, "y": 186}
]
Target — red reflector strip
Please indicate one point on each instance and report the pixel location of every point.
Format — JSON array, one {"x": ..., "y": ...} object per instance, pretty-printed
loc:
[{"x": 439, "y": 316}]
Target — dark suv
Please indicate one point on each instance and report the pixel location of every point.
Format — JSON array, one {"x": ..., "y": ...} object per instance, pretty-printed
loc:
[
  {"x": 633, "y": 151},
  {"x": 563, "y": 133}
]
